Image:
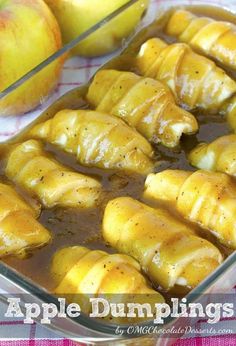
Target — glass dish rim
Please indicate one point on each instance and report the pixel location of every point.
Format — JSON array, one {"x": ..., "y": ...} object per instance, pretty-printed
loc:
[{"x": 65, "y": 49}]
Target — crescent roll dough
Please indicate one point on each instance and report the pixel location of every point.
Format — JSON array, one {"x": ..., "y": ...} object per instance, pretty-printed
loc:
[
  {"x": 53, "y": 184},
  {"x": 216, "y": 39},
  {"x": 19, "y": 229},
  {"x": 167, "y": 249},
  {"x": 220, "y": 155},
  {"x": 82, "y": 273},
  {"x": 195, "y": 80},
  {"x": 207, "y": 198},
  {"x": 144, "y": 103},
  {"x": 97, "y": 139}
]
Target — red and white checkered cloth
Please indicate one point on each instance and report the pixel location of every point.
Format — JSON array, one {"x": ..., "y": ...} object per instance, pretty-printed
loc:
[{"x": 76, "y": 72}]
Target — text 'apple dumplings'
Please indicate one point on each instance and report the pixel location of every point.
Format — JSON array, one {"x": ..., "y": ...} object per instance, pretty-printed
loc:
[
  {"x": 144, "y": 103},
  {"x": 28, "y": 165},
  {"x": 19, "y": 229},
  {"x": 219, "y": 156},
  {"x": 196, "y": 81},
  {"x": 97, "y": 140},
  {"x": 204, "y": 197},
  {"x": 216, "y": 39},
  {"x": 81, "y": 273},
  {"x": 168, "y": 250}
]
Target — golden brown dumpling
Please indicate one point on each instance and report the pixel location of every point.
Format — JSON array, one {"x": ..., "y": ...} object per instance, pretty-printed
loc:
[
  {"x": 216, "y": 39},
  {"x": 28, "y": 165},
  {"x": 167, "y": 249},
  {"x": 220, "y": 155},
  {"x": 207, "y": 198},
  {"x": 144, "y": 103},
  {"x": 19, "y": 229},
  {"x": 81, "y": 273},
  {"x": 97, "y": 140},
  {"x": 195, "y": 80}
]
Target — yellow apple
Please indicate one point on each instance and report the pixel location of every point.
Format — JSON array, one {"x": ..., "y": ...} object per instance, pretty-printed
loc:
[
  {"x": 76, "y": 16},
  {"x": 29, "y": 33}
]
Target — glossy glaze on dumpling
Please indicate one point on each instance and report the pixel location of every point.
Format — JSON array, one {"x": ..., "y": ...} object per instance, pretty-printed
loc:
[
  {"x": 19, "y": 229},
  {"x": 29, "y": 166},
  {"x": 195, "y": 80},
  {"x": 169, "y": 251},
  {"x": 214, "y": 38},
  {"x": 97, "y": 140},
  {"x": 218, "y": 156},
  {"x": 144, "y": 103},
  {"x": 207, "y": 198}
]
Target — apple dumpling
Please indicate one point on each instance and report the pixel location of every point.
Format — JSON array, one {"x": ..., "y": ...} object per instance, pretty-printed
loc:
[
  {"x": 81, "y": 273},
  {"x": 20, "y": 231},
  {"x": 204, "y": 197},
  {"x": 219, "y": 155},
  {"x": 29, "y": 166},
  {"x": 216, "y": 39},
  {"x": 144, "y": 103},
  {"x": 170, "y": 253},
  {"x": 97, "y": 140},
  {"x": 196, "y": 81}
]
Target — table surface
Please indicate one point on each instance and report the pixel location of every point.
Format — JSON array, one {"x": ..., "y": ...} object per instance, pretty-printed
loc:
[{"x": 77, "y": 71}]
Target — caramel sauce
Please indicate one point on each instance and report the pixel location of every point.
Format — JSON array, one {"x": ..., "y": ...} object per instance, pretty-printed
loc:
[{"x": 83, "y": 227}]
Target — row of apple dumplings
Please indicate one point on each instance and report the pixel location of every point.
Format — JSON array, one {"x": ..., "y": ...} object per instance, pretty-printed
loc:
[{"x": 168, "y": 251}]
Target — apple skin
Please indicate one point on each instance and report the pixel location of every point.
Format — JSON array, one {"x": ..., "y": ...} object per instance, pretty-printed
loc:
[
  {"x": 76, "y": 16},
  {"x": 29, "y": 33}
]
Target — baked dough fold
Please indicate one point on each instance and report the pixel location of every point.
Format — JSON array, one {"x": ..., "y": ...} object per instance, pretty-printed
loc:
[
  {"x": 196, "y": 81},
  {"x": 97, "y": 140},
  {"x": 19, "y": 229},
  {"x": 169, "y": 251},
  {"x": 29, "y": 166},
  {"x": 207, "y": 198},
  {"x": 144, "y": 103},
  {"x": 219, "y": 155},
  {"x": 81, "y": 273},
  {"x": 216, "y": 39}
]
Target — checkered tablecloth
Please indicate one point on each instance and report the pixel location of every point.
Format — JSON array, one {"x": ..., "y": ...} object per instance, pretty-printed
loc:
[{"x": 77, "y": 71}]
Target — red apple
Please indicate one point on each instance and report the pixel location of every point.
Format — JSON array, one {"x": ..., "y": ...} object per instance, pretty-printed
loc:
[{"x": 29, "y": 33}]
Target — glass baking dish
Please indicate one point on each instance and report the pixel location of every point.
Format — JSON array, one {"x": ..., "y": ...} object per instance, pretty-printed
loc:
[{"x": 84, "y": 328}]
